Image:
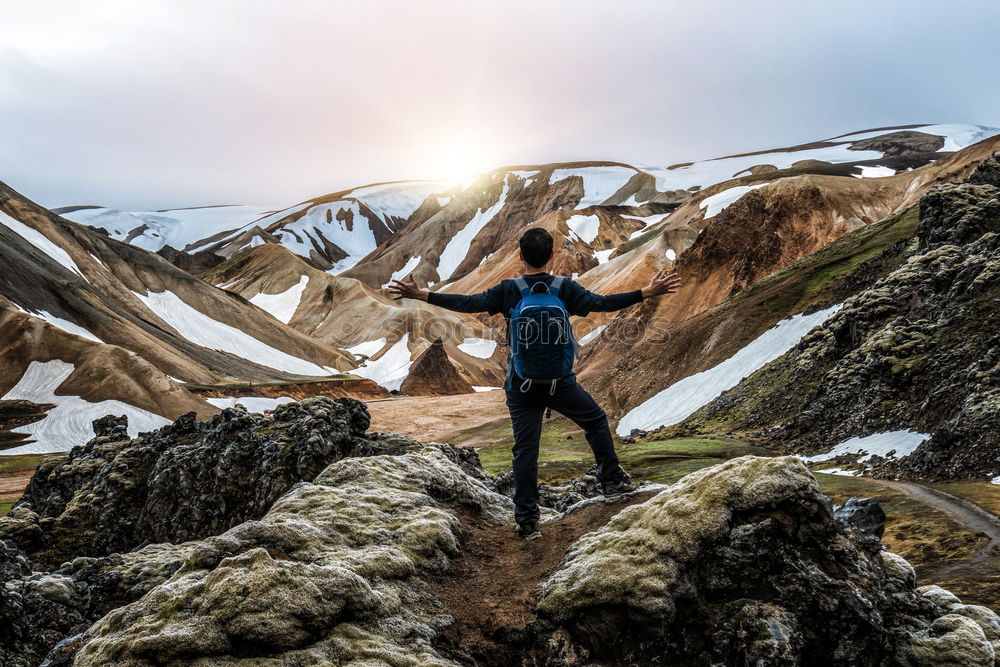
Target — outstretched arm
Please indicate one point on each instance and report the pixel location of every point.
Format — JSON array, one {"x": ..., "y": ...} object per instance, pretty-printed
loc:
[
  {"x": 581, "y": 301},
  {"x": 489, "y": 301}
]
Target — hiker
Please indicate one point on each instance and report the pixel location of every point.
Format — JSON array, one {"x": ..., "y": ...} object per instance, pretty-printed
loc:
[{"x": 540, "y": 374}]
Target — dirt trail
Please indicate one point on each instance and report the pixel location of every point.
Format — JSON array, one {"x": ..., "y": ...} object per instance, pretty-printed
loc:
[
  {"x": 970, "y": 515},
  {"x": 492, "y": 587}
]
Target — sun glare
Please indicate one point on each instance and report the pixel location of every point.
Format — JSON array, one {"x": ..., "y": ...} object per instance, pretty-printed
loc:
[{"x": 459, "y": 164}]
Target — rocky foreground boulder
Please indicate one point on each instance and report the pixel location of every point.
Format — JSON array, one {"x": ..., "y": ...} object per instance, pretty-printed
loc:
[
  {"x": 187, "y": 480},
  {"x": 740, "y": 563}
]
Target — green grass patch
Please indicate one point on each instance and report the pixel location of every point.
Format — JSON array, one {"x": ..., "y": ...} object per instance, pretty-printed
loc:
[
  {"x": 20, "y": 462},
  {"x": 564, "y": 454}
]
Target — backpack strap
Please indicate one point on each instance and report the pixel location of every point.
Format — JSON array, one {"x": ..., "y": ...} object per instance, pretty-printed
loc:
[
  {"x": 522, "y": 285},
  {"x": 555, "y": 285}
]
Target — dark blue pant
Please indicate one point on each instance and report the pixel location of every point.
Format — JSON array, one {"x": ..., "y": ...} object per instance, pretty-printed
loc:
[{"x": 526, "y": 412}]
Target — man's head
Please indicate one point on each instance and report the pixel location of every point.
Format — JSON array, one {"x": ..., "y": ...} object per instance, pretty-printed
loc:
[{"x": 536, "y": 247}]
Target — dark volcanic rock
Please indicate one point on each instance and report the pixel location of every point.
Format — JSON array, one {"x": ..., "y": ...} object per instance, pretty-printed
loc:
[
  {"x": 36, "y": 609},
  {"x": 187, "y": 480},
  {"x": 863, "y": 516},
  {"x": 903, "y": 143}
]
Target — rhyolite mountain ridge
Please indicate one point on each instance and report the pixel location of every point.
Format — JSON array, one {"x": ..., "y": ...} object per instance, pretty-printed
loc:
[
  {"x": 291, "y": 302},
  {"x": 297, "y": 538}
]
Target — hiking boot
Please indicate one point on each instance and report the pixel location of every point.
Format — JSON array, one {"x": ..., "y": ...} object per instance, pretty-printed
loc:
[
  {"x": 617, "y": 487},
  {"x": 529, "y": 530}
]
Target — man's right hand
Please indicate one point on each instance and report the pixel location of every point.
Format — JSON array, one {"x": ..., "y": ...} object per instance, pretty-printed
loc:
[
  {"x": 662, "y": 283},
  {"x": 406, "y": 289}
]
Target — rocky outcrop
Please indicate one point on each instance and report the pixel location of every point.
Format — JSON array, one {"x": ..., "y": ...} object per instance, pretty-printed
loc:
[
  {"x": 185, "y": 481},
  {"x": 739, "y": 563},
  {"x": 432, "y": 373},
  {"x": 193, "y": 263},
  {"x": 902, "y": 143},
  {"x": 916, "y": 350}
]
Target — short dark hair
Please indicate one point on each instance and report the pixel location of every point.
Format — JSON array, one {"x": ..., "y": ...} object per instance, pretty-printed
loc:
[{"x": 536, "y": 246}]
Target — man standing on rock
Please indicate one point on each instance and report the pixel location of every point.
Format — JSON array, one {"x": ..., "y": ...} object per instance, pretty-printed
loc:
[{"x": 537, "y": 307}]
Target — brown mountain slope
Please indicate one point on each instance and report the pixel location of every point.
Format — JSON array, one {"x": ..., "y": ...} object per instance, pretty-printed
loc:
[
  {"x": 685, "y": 334},
  {"x": 346, "y": 313}
]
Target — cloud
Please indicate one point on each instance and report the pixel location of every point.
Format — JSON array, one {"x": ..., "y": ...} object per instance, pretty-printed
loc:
[{"x": 157, "y": 104}]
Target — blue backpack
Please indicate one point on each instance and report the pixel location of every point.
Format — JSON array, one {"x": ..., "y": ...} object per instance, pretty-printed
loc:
[{"x": 541, "y": 346}]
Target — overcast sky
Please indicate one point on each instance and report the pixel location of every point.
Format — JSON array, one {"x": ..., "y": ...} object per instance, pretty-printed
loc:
[{"x": 154, "y": 104}]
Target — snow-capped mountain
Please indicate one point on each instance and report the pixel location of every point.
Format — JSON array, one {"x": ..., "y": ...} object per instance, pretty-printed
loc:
[
  {"x": 85, "y": 320},
  {"x": 303, "y": 288}
]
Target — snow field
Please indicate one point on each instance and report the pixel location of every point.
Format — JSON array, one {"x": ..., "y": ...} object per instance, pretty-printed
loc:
[
  {"x": 681, "y": 399},
  {"x": 40, "y": 241},
  {"x": 69, "y": 423},
  {"x": 458, "y": 246},
  {"x": 391, "y": 368},
  {"x": 592, "y": 335},
  {"x": 599, "y": 183},
  {"x": 368, "y": 348},
  {"x": 719, "y": 202},
  {"x": 177, "y": 228},
  {"x": 251, "y": 403},
  {"x": 902, "y": 443},
  {"x": 482, "y": 348},
  {"x": 202, "y": 330},
  {"x": 584, "y": 227},
  {"x": 282, "y": 306},
  {"x": 404, "y": 271}
]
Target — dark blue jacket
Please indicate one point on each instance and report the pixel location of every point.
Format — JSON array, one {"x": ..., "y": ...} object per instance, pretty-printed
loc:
[{"x": 502, "y": 297}]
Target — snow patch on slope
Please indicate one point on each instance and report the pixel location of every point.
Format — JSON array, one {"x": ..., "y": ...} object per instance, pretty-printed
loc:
[
  {"x": 40, "y": 241},
  {"x": 719, "y": 202},
  {"x": 341, "y": 223},
  {"x": 584, "y": 227},
  {"x": 397, "y": 200},
  {"x": 368, "y": 348},
  {"x": 710, "y": 172},
  {"x": 66, "y": 325},
  {"x": 959, "y": 136},
  {"x": 391, "y": 368},
  {"x": 899, "y": 443},
  {"x": 458, "y": 246},
  {"x": 482, "y": 348},
  {"x": 592, "y": 335},
  {"x": 527, "y": 176},
  {"x": 282, "y": 306},
  {"x": 599, "y": 183},
  {"x": 251, "y": 403},
  {"x": 603, "y": 256},
  {"x": 207, "y": 332},
  {"x": 874, "y": 172},
  {"x": 681, "y": 399},
  {"x": 69, "y": 423},
  {"x": 401, "y": 273}
]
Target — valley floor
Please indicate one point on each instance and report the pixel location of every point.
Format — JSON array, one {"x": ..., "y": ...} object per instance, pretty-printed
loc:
[{"x": 950, "y": 532}]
